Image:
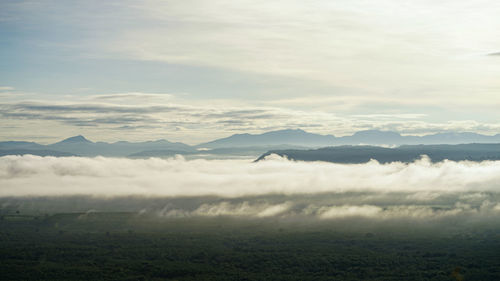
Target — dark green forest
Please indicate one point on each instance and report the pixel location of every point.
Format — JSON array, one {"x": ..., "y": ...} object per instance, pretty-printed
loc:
[
  {"x": 406, "y": 153},
  {"x": 125, "y": 246}
]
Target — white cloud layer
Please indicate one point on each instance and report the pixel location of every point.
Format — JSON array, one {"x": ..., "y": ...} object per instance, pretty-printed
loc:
[
  {"x": 274, "y": 188},
  {"x": 34, "y": 175}
]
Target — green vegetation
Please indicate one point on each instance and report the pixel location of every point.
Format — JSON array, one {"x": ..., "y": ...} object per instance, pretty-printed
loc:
[{"x": 127, "y": 246}]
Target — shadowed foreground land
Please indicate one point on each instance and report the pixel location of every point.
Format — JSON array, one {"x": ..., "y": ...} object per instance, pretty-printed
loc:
[{"x": 126, "y": 246}]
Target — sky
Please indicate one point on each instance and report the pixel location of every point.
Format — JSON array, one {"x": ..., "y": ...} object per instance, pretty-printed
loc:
[{"x": 196, "y": 70}]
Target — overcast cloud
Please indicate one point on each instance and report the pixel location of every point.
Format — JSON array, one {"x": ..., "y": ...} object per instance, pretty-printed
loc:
[{"x": 233, "y": 66}]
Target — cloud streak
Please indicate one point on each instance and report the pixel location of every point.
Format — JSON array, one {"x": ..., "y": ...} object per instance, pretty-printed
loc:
[
  {"x": 328, "y": 212},
  {"x": 149, "y": 116}
]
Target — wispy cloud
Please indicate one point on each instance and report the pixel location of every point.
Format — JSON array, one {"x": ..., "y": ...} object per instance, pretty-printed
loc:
[
  {"x": 384, "y": 49},
  {"x": 152, "y": 115}
]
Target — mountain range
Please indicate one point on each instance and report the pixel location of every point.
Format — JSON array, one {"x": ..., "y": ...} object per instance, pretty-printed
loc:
[
  {"x": 368, "y": 137},
  {"x": 80, "y": 146},
  {"x": 235, "y": 145}
]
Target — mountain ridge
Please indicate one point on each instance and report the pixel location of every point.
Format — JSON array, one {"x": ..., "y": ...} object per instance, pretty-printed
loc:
[
  {"x": 259, "y": 143},
  {"x": 279, "y": 137},
  {"x": 75, "y": 139},
  {"x": 359, "y": 154}
]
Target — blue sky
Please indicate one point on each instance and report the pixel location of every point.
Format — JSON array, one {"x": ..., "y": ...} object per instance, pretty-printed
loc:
[{"x": 195, "y": 70}]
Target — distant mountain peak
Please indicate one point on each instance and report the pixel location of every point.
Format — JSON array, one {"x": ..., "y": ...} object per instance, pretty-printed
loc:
[
  {"x": 161, "y": 141},
  {"x": 286, "y": 131},
  {"x": 76, "y": 139},
  {"x": 279, "y": 137},
  {"x": 291, "y": 130},
  {"x": 376, "y": 132}
]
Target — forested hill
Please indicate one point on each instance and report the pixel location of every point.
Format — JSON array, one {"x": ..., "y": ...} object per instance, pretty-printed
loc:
[{"x": 407, "y": 153}]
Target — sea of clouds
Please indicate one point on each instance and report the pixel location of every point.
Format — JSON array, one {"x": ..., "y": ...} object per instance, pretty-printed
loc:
[{"x": 274, "y": 188}]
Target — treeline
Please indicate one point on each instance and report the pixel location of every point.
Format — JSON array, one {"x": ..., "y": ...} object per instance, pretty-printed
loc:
[{"x": 406, "y": 153}]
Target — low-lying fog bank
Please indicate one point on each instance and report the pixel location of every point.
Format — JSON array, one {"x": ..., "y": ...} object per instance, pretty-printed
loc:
[
  {"x": 49, "y": 176},
  {"x": 446, "y": 193}
]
